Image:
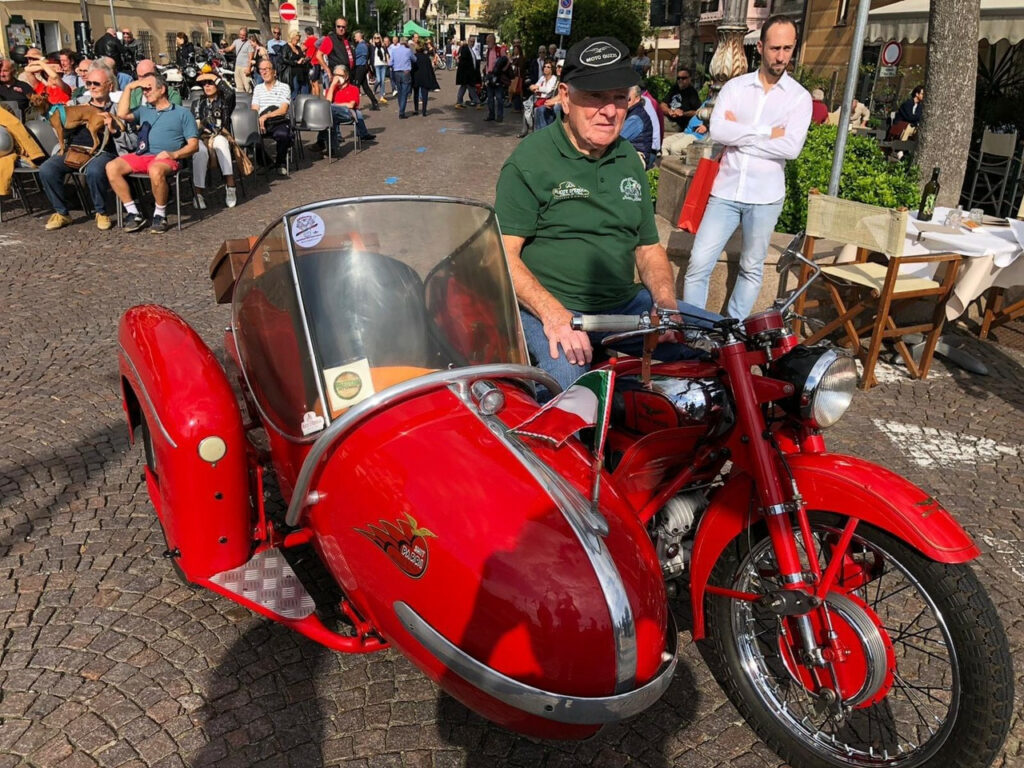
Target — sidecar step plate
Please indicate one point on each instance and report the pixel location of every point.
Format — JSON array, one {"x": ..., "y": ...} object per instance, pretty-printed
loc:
[{"x": 268, "y": 579}]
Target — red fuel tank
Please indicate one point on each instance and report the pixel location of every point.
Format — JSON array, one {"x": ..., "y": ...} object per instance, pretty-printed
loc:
[{"x": 476, "y": 554}]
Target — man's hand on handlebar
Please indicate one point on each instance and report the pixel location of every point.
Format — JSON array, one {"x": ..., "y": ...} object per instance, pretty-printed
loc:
[{"x": 576, "y": 344}]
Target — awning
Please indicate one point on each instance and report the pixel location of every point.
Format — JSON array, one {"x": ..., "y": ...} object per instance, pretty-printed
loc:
[
  {"x": 907, "y": 21},
  {"x": 412, "y": 27},
  {"x": 752, "y": 37}
]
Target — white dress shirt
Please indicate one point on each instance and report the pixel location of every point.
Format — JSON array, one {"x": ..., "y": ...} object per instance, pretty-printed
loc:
[{"x": 753, "y": 164}]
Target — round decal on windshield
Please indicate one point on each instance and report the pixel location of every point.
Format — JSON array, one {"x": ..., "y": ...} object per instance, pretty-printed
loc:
[{"x": 307, "y": 230}]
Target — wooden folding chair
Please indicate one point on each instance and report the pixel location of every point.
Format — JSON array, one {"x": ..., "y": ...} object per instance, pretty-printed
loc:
[{"x": 866, "y": 288}]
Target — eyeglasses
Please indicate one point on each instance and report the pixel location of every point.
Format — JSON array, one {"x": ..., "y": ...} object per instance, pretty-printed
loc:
[
  {"x": 96, "y": 84},
  {"x": 82, "y": 72}
]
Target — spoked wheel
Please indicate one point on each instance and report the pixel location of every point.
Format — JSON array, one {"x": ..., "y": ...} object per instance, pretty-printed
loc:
[{"x": 917, "y": 672}]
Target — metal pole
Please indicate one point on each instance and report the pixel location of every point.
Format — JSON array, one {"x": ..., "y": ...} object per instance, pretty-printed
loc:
[
  {"x": 113, "y": 16},
  {"x": 851, "y": 85}
]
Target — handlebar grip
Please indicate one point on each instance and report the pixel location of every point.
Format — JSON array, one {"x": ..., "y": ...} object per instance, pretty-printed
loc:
[{"x": 607, "y": 323}]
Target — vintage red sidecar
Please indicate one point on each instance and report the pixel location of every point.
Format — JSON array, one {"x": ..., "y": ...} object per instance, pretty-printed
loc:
[{"x": 371, "y": 342}]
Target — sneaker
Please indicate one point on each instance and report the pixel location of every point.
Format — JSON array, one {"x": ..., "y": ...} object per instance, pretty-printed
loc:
[
  {"x": 134, "y": 222},
  {"x": 159, "y": 224},
  {"x": 230, "y": 197},
  {"x": 394, "y": 94},
  {"x": 57, "y": 221},
  {"x": 282, "y": 171},
  {"x": 103, "y": 222},
  {"x": 383, "y": 100},
  {"x": 368, "y": 137},
  {"x": 199, "y": 201},
  {"x": 375, "y": 108},
  {"x": 460, "y": 106}
]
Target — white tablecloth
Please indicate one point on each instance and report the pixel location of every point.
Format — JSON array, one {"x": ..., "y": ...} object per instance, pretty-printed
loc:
[{"x": 992, "y": 259}]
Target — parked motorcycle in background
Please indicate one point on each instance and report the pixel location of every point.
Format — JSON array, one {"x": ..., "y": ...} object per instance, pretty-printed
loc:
[{"x": 523, "y": 557}]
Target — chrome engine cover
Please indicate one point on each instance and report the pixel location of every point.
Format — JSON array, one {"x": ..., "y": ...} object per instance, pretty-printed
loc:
[
  {"x": 698, "y": 401},
  {"x": 671, "y": 530}
]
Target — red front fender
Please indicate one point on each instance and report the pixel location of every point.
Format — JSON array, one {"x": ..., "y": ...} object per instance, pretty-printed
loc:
[{"x": 833, "y": 483}]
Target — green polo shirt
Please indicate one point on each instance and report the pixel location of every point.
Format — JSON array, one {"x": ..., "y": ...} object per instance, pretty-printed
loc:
[{"x": 582, "y": 218}]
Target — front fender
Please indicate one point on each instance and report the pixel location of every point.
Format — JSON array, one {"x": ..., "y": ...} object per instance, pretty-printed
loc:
[
  {"x": 170, "y": 377},
  {"x": 834, "y": 483}
]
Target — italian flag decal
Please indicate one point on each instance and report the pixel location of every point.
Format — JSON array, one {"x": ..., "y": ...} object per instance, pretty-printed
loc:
[{"x": 585, "y": 404}]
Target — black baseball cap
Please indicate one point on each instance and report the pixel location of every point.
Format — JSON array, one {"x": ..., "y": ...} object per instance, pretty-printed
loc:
[{"x": 599, "y": 64}]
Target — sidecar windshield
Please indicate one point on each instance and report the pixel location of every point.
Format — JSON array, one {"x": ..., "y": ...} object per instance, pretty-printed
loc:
[{"x": 344, "y": 299}]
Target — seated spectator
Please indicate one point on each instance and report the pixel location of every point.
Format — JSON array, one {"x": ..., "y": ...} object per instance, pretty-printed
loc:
[
  {"x": 819, "y": 109},
  {"x": 696, "y": 130},
  {"x": 100, "y": 82},
  {"x": 909, "y": 115},
  {"x": 12, "y": 88},
  {"x": 543, "y": 91},
  {"x": 68, "y": 59},
  {"x": 81, "y": 70},
  {"x": 123, "y": 78},
  {"x": 637, "y": 128},
  {"x": 271, "y": 99},
  {"x": 44, "y": 77},
  {"x": 344, "y": 98},
  {"x": 167, "y": 135},
  {"x": 213, "y": 117},
  {"x": 682, "y": 101},
  {"x": 859, "y": 114},
  {"x": 148, "y": 67}
]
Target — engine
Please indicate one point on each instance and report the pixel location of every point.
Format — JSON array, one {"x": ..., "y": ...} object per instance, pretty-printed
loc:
[
  {"x": 671, "y": 401},
  {"x": 671, "y": 532}
]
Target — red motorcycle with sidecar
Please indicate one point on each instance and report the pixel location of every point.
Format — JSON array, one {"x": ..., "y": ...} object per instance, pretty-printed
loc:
[{"x": 523, "y": 556}]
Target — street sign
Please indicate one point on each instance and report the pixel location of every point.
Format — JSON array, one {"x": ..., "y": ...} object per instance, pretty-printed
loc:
[
  {"x": 288, "y": 12},
  {"x": 892, "y": 52},
  {"x": 563, "y": 21},
  {"x": 887, "y": 71}
]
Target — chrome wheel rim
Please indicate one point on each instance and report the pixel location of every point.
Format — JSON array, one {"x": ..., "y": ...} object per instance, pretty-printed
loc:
[{"x": 913, "y": 721}]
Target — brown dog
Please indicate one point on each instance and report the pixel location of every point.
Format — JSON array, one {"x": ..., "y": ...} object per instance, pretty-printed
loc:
[{"x": 77, "y": 116}]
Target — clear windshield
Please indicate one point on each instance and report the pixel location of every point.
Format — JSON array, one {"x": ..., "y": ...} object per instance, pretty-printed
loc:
[{"x": 342, "y": 300}]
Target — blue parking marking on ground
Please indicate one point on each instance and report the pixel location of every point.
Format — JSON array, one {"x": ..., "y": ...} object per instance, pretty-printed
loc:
[{"x": 391, "y": 180}]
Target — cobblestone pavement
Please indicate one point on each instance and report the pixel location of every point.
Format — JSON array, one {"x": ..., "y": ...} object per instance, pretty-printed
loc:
[{"x": 106, "y": 659}]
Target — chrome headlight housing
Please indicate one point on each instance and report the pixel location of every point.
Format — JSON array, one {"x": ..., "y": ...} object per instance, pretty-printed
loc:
[{"x": 824, "y": 380}]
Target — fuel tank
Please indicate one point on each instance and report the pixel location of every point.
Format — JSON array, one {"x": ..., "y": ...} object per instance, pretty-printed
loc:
[{"x": 477, "y": 555}]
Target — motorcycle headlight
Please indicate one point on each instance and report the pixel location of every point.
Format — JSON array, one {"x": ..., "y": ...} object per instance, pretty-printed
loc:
[
  {"x": 824, "y": 380},
  {"x": 190, "y": 72}
]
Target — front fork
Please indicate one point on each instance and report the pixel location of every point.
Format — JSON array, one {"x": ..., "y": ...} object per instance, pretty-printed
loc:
[{"x": 776, "y": 506}]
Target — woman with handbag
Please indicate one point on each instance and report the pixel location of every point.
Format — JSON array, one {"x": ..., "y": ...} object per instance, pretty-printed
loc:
[
  {"x": 544, "y": 90},
  {"x": 515, "y": 88},
  {"x": 271, "y": 99},
  {"x": 294, "y": 65},
  {"x": 213, "y": 116}
]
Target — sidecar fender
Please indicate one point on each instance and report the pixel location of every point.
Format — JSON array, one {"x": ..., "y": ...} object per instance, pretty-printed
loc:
[
  {"x": 170, "y": 378},
  {"x": 835, "y": 483}
]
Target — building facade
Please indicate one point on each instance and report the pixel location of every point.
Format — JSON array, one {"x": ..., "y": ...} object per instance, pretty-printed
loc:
[{"x": 55, "y": 24}]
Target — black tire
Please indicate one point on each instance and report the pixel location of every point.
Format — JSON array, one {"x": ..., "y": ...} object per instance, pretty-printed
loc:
[
  {"x": 147, "y": 444},
  {"x": 951, "y": 697}
]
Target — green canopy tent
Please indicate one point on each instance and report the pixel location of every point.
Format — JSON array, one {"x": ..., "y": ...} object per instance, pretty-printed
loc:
[{"x": 411, "y": 27}]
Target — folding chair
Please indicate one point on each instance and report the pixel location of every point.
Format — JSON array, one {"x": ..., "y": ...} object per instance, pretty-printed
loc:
[
  {"x": 45, "y": 136},
  {"x": 297, "y": 113},
  {"x": 864, "y": 287},
  {"x": 174, "y": 180},
  {"x": 992, "y": 165}
]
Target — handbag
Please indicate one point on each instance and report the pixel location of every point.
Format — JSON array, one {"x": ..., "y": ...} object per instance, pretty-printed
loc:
[
  {"x": 697, "y": 195},
  {"x": 272, "y": 122},
  {"x": 539, "y": 102},
  {"x": 77, "y": 157}
]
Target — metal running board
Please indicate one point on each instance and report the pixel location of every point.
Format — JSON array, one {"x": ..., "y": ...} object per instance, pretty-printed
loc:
[{"x": 268, "y": 580}]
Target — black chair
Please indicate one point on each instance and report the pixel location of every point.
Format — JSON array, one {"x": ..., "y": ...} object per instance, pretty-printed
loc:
[{"x": 138, "y": 181}]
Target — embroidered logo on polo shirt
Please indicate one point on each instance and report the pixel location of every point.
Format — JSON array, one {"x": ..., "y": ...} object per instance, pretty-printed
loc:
[
  {"x": 567, "y": 190},
  {"x": 630, "y": 189}
]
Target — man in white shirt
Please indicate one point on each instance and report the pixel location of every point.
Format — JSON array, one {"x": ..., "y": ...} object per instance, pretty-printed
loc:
[{"x": 761, "y": 118}]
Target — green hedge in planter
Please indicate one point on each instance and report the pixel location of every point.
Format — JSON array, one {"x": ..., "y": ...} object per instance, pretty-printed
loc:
[{"x": 867, "y": 176}]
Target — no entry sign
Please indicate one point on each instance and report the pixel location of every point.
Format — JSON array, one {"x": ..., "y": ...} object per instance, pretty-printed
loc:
[
  {"x": 892, "y": 52},
  {"x": 288, "y": 12}
]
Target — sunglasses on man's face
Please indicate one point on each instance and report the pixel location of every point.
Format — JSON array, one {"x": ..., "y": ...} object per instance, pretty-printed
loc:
[{"x": 95, "y": 83}]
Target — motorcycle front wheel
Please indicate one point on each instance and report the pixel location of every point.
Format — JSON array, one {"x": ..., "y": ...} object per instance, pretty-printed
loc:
[{"x": 919, "y": 671}]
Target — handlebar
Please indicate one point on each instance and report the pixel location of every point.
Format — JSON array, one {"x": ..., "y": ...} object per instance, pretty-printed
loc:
[{"x": 610, "y": 323}]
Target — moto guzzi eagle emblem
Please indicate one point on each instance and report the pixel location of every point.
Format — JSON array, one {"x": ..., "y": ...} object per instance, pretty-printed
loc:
[{"x": 404, "y": 542}]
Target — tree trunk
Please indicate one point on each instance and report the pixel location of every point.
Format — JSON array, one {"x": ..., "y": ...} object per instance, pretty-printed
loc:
[
  {"x": 689, "y": 38},
  {"x": 261, "y": 10},
  {"x": 949, "y": 94}
]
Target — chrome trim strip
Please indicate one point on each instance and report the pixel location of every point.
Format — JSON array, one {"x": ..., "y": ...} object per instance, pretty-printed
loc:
[
  {"x": 561, "y": 708},
  {"x": 146, "y": 397},
  {"x": 355, "y": 415},
  {"x": 590, "y": 528},
  {"x": 775, "y": 509},
  {"x": 317, "y": 369}
]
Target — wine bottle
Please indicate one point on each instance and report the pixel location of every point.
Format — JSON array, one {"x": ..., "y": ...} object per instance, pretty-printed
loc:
[{"x": 931, "y": 191}]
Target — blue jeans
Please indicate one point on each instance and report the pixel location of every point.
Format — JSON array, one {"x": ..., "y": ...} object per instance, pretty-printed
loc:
[
  {"x": 53, "y": 172},
  {"x": 496, "y": 101},
  {"x": 345, "y": 116},
  {"x": 542, "y": 117},
  {"x": 404, "y": 80},
  {"x": 382, "y": 72},
  {"x": 463, "y": 89},
  {"x": 565, "y": 373},
  {"x": 423, "y": 91},
  {"x": 720, "y": 220},
  {"x": 299, "y": 85}
]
